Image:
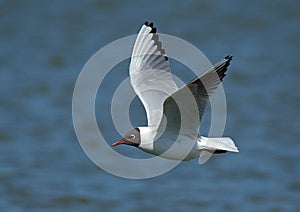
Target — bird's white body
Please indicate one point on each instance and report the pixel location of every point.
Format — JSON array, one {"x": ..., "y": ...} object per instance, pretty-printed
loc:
[{"x": 182, "y": 147}]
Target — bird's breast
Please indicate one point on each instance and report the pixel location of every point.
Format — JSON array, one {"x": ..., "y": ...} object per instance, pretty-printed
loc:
[{"x": 181, "y": 149}]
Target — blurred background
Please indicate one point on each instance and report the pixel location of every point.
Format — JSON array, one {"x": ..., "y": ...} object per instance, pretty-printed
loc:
[{"x": 43, "y": 47}]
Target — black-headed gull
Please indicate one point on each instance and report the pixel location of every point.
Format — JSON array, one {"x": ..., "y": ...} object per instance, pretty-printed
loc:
[{"x": 152, "y": 81}]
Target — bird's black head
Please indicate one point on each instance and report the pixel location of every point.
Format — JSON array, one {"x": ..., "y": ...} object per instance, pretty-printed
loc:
[{"x": 132, "y": 138}]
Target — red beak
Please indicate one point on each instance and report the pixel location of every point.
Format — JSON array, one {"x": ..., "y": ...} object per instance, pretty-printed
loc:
[{"x": 122, "y": 141}]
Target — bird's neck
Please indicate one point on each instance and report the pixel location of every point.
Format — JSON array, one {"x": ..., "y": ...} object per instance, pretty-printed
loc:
[{"x": 147, "y": 134}]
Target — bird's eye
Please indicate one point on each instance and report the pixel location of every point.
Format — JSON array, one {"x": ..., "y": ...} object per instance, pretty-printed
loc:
[{"x": 132, "y": 137}]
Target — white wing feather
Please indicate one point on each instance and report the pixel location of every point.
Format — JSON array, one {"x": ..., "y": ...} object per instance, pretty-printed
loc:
[{"x": 150, "y": 74}]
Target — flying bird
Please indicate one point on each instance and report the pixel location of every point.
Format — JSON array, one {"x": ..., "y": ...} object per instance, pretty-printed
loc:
[{"x": 173, "y": 114}]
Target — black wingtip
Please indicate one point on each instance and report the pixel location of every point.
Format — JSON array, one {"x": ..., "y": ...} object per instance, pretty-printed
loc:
[
  {"x": 153, "y": 30},
  {"x": 228, "y": 57},
  {"x": 156, "y": 40},
  {"x": 150, "y": 24},
  {"x": 221, "y": 68}
]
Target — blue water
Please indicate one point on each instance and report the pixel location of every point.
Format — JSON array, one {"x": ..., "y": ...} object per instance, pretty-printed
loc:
[{"x": 43, "y": 47}]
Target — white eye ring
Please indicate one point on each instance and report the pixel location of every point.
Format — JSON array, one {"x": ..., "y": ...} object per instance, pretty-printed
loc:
[{"x": 132, "y": 136}]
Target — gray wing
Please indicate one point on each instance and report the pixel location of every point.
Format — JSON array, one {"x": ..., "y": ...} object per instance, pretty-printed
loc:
[
  {"x": 150, "y": 74},
  {"x": 184, "y": 108}
]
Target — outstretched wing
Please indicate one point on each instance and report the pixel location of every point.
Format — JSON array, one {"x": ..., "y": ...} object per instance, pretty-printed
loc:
[
  {"x": 186, "y": 106},
  {"x": 150, "y": 74}
]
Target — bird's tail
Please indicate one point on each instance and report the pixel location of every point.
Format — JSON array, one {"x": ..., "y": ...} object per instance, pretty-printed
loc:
[
  {"x": 217, "y": 144},
  {"x": 209, "y": 146}
]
